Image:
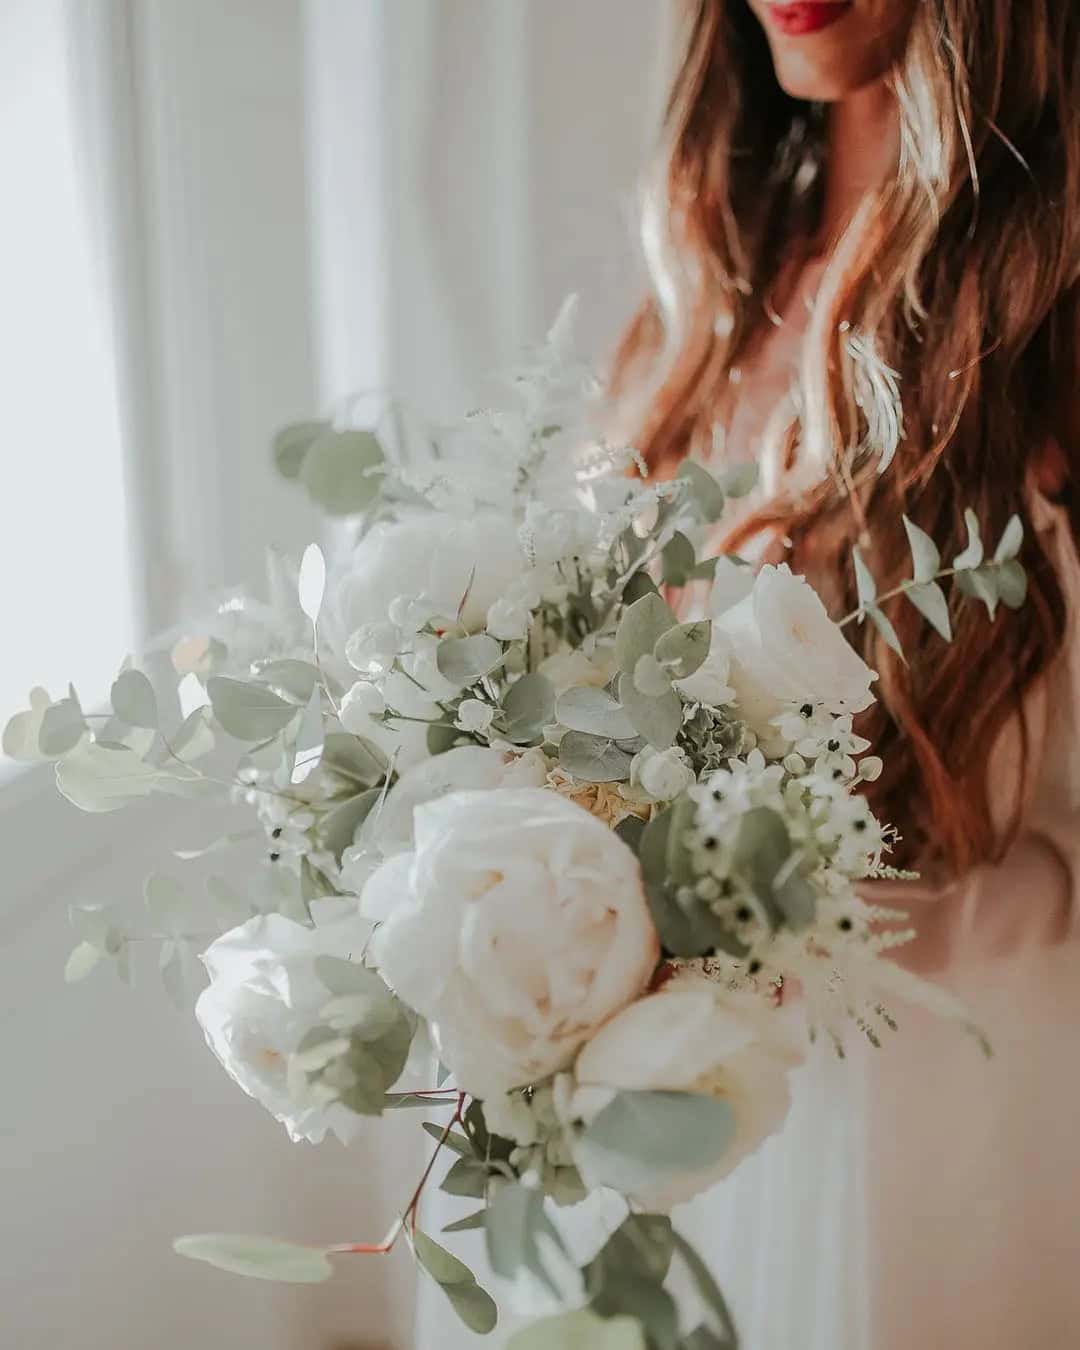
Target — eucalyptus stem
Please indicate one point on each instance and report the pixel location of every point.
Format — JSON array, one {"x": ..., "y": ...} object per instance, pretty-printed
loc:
[{"x": 902, "y": 589}]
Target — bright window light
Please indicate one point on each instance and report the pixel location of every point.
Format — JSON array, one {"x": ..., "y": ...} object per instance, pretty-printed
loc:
[{"x": 66, "y": 609}]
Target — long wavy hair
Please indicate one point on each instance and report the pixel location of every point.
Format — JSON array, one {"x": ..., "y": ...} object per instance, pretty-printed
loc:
[{"x": 947, "y": 342}]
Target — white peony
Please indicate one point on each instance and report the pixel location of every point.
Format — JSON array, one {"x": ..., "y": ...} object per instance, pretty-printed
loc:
[
  {"x": 692, "y": 1036},
  {"x": 517, "y": 926},
  {"x": 263, "y": 998},
  {"x": 785, "y": 649},
  {"x": 662, "y": 774},
  {"x": 425, "y": 562}
]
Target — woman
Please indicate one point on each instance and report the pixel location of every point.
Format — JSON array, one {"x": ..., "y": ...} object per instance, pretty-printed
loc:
[{"x": 866, "y": 248}]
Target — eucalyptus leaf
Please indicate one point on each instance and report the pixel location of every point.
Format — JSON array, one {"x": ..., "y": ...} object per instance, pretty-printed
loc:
[
  {"x": 293, "y": 680},
  {"x": 520, "y": 1236},
  {"x": 865, "y": 584},
  {"x": 465, "y": 660},
  {"x": 62, "y": 728},
  {"x": 929, "y": 599},
  {"x": 95, "y": 778},
  {"x": 683, "y": 649},
  {"x": 311, "y": 581},
  {"x": 580, "y": 1330},
  {"x": 641, "y": 1246},
  {"x": 133, "y": 699},
  {"x": 1011, "y": 542},
  {"x": 925, "y": 557},
  {"x": 973, "y": 555},
  {"x": 343, "y": 471},
  {"x": 980, "y": 584},
  {"x": 258, "y": 1257},
  {"x": 679, "y": 560},
  {"x": 354, "y": 758},
  {"x": 659, "y": 720},
  {"x": 1012, "y": 583},
  {"x": 639, "y": 585},
  {"x": 471, "y": 1221},
  {"x": 623, "y": 1294},
  {"x": 248, "y": 710},
  {"x": 640, "y": 627},
  {"x": 641, "y": 1138},
  {"x": 194, "y": 737},
  {"x": 466, "y": 1178},
  {"x": 585, "y": 708},
  {"x": 529, "y": 705},
  {"x": 455, "y": 1142},
  {"x": 704, "y": 492},
  {"x": 650, "y": 678},
  {"x": 292, "y": 443},
  {"x": 593, "y": 759},
  {"x": 740, "y": 479},
  {"x": 337, "y": 828},
  {"x": 84, "y": 958},
  {"x": 473, "y": 1305},
  {"x": 883, "y": 624}
]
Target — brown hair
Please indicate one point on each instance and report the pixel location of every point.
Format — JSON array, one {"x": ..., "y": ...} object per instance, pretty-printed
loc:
[{"x": 961, "y": 290}]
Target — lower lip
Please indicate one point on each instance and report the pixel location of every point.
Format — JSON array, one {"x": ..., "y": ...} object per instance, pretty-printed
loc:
[{"x": 806, "y": 16}]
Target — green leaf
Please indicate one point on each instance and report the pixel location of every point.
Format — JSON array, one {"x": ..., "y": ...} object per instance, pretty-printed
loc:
[
  {"x": 980, "y": 584},
  {"x": 194, "y": 737},
  {"x": 292, "y": 443},
  {"x": 133, "y": 700},
  {"x": 353, "y": 758},
  {"x": 929, "y": 600},
  {"x": 471, "y": 1221},
  {"x": 292, "y": 680},
  {"x": 639, "y": 585},
  {"x": 762, "y": 847},
  {"x": 338, "y": 827},
  {"x": 625, "y": 1295},
  {"x": 683, "y": 649},
  {"x": 529, "y": 705},
  {"x": 972, "y": 556},
  {"x": 740, "y": 480},
  {"x": 593, "y": 759},
  {"x": 864, "y": 580},
  {"x": 925, "y": 558},
  {"x": 343, "y": 471},
  {"x": 473, "y": 1305},
  {"x": 640, "y": 1138},
  {"x": 650, "y": 678},
  {"x": 1011, "y": 542},
  {"x": 689, "y": 931},
  {"x": 709, "y": 1292},
  {"x": 679, "y": 560},
  {"x": 520, "y": 1236},
  {"x": 1012, "y": 583},
  {"x": 640, "y": 627},
  {"x": 883, "y": 624},
  {"x": 259, "y": 1257},
  {"x": 95, "y": 778},
  {"x": 84, "y": 957},
  {"x": 247, "y": 710},
  {"x": 466, "y": 1177},
  {"x": 62, "y": 728},
  {"x": 641, "y": 1246},
  {"x": 454, "y": 1141},
  {"x": 659, "y": 720},
  {"x": 704, "y": 492},
  {"x": 311, "y": 581},
  {"x": 465, "y": 660},
  {"x": 595, "y": 712}
]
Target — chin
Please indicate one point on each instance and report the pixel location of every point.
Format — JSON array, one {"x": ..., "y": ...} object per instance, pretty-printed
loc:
[{"x": 856, "y": 50}]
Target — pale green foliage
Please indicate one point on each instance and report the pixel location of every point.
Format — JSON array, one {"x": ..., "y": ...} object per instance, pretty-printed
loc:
[
  {"x": 580, "y": 1330},
  {"x": 342, "y": 470},
  {"x": 473, "y": 1305},
  {"x": 520, "y": 1236},
  {"x": 259, "y": 1258}
]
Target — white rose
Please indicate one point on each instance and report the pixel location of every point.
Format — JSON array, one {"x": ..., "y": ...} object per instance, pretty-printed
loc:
[
  {"x": 466, "y": 768},
  {"x": 692, "y": 1036},
  {"x": 429, "y": 559},
  {"x": 263, "y": 998},
  {"x": 474, "y": 714},
  {"x": 785, "y": 649},
  {"x": 517, "y": 927},
  {"x": 663, "y": 774},
  {"x": 571, "y": 668}
]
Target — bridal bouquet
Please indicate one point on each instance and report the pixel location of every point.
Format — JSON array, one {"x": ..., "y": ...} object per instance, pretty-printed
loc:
[{"x": 561, "y": 841}]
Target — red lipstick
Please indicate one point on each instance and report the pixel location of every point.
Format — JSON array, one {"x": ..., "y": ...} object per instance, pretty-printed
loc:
[{"x": 807, "y": 16}]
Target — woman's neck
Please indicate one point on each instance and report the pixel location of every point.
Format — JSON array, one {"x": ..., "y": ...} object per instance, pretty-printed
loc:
[{"x": 862, "y": 151}]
